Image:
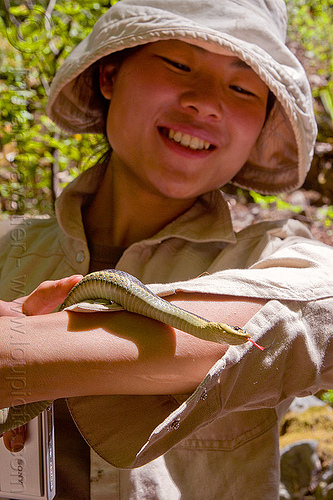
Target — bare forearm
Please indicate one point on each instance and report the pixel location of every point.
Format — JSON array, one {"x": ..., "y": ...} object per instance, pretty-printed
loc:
[
  {"x": 71, "y": 354},
  {"x": 95, "y": 354}
]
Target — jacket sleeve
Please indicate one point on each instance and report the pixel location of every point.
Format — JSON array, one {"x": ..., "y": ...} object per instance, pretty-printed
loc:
[{"x": 295, "y": 327}]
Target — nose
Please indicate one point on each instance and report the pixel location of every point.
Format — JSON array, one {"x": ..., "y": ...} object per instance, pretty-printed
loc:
[{"x": 202, "y": 100}]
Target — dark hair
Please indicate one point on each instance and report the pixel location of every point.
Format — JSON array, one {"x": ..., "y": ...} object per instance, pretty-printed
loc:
[
  {"x": 270, "y": 103},
  {"x": 91, "y": 78}
]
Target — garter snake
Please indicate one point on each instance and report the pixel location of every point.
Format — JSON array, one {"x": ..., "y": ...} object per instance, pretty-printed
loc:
[{"x": 127, "y": 291}]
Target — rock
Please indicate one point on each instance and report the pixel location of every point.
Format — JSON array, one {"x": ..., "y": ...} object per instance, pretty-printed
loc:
[
  {"x": 284, "y": 494},
  {"x": 315, "y": 422},
  {"x": 302, "y": 404},
  {"x": 324, "y": 489},
  {"x": 327, "y": 492},
  {"x": 299, "y": 465},
  {"x": 327, "y": 475}
]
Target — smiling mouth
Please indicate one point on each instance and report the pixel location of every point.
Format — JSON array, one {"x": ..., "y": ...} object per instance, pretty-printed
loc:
[{"x": 187, "y": 140}]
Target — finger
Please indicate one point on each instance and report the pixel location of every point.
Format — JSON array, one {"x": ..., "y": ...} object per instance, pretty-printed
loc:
[
  {"x": 49, "y": 295},
  {"x": 14, "y": 440}
]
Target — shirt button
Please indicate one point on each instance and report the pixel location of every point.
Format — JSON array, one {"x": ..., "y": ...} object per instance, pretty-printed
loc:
[{"x": 80, "y": 256}]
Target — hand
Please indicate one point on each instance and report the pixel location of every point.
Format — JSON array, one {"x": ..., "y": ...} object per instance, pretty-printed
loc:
[
  {"x": 48, "y": 295},
  {"x": 43, "y": 300}
]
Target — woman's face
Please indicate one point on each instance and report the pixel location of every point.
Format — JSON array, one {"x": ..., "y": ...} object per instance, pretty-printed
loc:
[{"x": 182, "y": 121}]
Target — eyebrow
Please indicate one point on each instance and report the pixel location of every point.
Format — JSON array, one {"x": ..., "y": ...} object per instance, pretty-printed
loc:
[{"x": 238, "y": 63}]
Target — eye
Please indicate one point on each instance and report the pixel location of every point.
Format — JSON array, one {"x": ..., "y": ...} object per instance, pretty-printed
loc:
[
  {"x": 177, "y": 65},
  {"x": 241, "y": 90}
]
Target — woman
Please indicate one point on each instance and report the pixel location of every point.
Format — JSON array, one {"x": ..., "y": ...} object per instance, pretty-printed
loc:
[{"x": 199, "y": 97}]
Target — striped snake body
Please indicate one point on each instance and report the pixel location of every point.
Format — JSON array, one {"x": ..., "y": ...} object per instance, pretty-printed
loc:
[
  {"x": 121, "y": 288},
  {"x": 126, "y": 290}
]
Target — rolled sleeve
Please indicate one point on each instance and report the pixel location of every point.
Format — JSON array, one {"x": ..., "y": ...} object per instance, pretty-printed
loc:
[
  {"x": 294, "y": 326},
  {"x": 297, "y": 361}
]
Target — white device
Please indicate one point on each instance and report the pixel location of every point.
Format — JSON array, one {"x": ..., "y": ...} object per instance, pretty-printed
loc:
[{"x": 30, "y": 473}]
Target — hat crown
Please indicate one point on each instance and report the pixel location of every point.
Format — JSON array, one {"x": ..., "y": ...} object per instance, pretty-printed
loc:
[{"x": 252, "y": 17}]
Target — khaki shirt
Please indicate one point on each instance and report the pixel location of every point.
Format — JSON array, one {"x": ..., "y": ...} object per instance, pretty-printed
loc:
[{"x": 222, "y": 440}]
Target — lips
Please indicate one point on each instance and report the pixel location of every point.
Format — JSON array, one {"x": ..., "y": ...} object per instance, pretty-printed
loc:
[{"x": 188, "y": 141}]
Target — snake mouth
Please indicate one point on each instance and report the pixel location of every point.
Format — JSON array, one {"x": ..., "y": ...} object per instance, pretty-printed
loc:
[{"x": 186, "y": 140}]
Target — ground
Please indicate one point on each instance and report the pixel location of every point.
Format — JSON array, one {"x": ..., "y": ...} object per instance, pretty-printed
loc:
[{"x": 300, "y": 205}]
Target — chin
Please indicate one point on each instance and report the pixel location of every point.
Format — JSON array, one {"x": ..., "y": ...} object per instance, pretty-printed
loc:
[{"x": 179, "y": 194}]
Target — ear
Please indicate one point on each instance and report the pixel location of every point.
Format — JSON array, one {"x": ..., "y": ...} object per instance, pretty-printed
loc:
[{"x": 107, "y": 74}]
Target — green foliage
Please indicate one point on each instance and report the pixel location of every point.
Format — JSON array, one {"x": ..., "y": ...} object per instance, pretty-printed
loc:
[
  {"x": 328, "y": 397},
  {"x": 311, "y": 22},
  {"x": 36, "y": 158},
  {"x": 326, "y": 96},
  {"x": 326, "y": 215},
  {"x": 278, "y": 201}
]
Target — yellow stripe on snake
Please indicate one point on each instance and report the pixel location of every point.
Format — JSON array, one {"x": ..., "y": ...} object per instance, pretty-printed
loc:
[{"x": 121, "y": 288}]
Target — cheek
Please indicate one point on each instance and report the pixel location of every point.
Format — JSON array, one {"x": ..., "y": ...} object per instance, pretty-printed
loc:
[
  {"x": 249, "y": 123},
  {"x": 119, "y": 118}
]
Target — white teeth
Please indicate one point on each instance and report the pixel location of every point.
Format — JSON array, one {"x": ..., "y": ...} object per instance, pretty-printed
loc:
[
  {"x": 196, "y": 143},
  {"x": 188, "y": 141},
  {"x": 177, "y": 136}
]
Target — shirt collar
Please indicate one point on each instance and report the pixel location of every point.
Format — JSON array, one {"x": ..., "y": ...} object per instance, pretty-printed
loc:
[{"x": 207, "y": 220}]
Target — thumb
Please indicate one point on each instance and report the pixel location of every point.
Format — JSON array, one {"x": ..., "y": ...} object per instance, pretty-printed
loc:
[
  {"x": 14, "y": 440},
  {"x": 49, "y": 295}
]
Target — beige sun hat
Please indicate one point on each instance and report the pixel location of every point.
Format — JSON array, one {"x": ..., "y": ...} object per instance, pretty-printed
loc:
[{"x": 253, "y": 30}]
